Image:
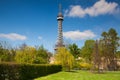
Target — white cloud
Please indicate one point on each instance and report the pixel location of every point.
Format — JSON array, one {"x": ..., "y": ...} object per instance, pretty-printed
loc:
[
  {"x": 40, "y": 37},
  {"x": 77, "y": 35},
  {"x": 99, "y": 8},
  {"x": 75, "y": 11},
  {"x": 13, "y": 36}
]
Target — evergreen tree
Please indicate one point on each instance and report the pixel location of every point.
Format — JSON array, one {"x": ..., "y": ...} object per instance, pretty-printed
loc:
[{"x": 74, "y": 50}]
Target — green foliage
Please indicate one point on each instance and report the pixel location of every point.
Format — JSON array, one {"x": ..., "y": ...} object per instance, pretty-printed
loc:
[
  {"x": 29, "y": 54},
  {"x": 74, "y": 50},
  {"x": 110, "y": 40},
  {"x": 64, "y": 58},
  {"x": 9, "y": 71},
  {"x": 118, "y": 54},
  {"x": 6, "y": 54},
  {"x": 87, "y": 50},
  {"x": 23, "y": 54},
  {"x": 109, "y": 45},
  {"x": 41, "y": 55},
  {"x": 12, "y": 71}
]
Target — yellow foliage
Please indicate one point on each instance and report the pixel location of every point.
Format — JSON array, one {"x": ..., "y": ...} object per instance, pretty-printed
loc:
[
  {"x": 64, "y": 58},
  {"x": 85, "y": 65},
  {"x": 25, "y": 56}
]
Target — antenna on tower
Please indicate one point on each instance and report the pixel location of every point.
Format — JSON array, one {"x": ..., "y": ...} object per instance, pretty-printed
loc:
[{"x": 60, "y": 8}]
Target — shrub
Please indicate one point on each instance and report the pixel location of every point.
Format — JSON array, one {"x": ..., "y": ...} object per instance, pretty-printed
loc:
[
  {"x": 9, "y": 71},
  {"x": 13, "y": 71},
  {"x": 85, "y": 66}
]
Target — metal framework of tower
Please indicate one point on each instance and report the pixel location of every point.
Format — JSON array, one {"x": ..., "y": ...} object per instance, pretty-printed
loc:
[{"x": 60, "y": 18}]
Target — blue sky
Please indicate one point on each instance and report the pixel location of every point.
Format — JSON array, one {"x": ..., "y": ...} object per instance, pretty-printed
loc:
[{"x": 34, "y": 21}]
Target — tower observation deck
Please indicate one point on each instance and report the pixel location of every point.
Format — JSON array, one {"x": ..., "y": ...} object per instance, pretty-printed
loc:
[{"x": 60, "y": 33}]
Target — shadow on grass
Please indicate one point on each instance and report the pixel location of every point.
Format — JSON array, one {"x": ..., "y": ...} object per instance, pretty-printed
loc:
[{"x": 73, "y": 71}]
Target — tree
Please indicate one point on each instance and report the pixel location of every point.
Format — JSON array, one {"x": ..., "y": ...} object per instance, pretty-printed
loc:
[
  {"x": 118, "y": 54},
  {"x": 64, "y": 58},
  {"x": 87, "y": 50},
  {"x": 74, "y": 50},
  {"x": 110, "y": 43},
  {"x": 6, "y": 52},
  {"x": 42, "y": 55},
  {"x": 26, "y": 55},
  {"x": 96, "y": 57}
]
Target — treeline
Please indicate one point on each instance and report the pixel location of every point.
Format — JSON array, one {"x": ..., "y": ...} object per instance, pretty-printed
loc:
[
  {"x": 23, "y": 54},
  {"x": 95, "y": 54}
]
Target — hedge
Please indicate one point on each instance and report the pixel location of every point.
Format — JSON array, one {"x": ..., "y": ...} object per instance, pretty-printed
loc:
[{"x": 13, "y": 71}]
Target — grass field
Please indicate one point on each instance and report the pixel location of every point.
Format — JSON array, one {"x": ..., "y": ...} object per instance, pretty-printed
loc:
[{"x": 82, "y": 75}]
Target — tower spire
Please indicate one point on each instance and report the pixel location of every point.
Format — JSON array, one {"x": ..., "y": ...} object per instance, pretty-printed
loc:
[
  {"x": 60, "y": 33},
  {"x": 60, "y": 8}
]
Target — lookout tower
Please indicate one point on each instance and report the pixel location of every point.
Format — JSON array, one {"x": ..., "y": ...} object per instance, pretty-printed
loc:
[{"x": 60, "y": 32}]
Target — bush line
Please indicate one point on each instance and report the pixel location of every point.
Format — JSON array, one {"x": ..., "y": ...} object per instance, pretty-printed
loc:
[{"x": 13, "y": 71}]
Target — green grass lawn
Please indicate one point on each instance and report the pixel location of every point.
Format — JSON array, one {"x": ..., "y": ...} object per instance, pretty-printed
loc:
[{"x": 82, "y": 75}]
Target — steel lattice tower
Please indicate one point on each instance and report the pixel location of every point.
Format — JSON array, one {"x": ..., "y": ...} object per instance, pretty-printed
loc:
[{"x": 60, "y": 33}]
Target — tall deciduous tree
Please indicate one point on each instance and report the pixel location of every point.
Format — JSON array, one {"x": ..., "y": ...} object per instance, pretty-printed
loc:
[
  {"x": 65, "y": 58},
  {"x": 110, "y": 43},
  {"x": 87, "y": 50},
  {"x": 96, "y": 57}
]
